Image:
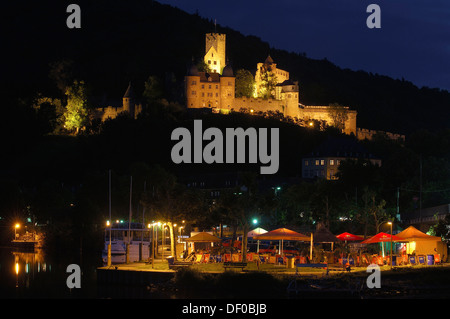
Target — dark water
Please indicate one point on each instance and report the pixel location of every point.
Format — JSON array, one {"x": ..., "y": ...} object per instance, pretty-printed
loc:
[{"x": 32, "y": 274}]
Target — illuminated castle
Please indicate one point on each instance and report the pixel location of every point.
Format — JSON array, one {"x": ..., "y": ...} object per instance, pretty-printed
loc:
[{"x": 215, "y": 90}]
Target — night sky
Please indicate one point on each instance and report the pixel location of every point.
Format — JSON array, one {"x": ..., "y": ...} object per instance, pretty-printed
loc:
[{"x": 413, "y": 42}]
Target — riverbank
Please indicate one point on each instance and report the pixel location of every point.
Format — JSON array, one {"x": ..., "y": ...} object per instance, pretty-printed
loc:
[{"x": 210, "y": 281}]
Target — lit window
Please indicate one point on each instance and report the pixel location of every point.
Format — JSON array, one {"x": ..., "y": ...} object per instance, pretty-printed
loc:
[
  {"x": 331, "y": 162},
  {"x": 317, "y": 162},
  {"x": 322, "y": 162},
  {"x": 306, "y": 163}
]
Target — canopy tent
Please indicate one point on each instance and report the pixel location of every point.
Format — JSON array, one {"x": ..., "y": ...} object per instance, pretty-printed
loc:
[
  {"x": 422, "y": 244},
  {"x": 381, "y": 238},
  {"x": 282, "y": 234},
  {"x": 203, "y": 237},
  {"x": 349, "y": 237},
  {"x": 411, "y": 234},
  {"x": 256, "y": 232},
  {"x": 323, "y": 235}
]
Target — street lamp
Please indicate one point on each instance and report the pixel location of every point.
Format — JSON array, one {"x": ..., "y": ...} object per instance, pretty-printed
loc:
[
  {"x": 16, "y": 226},
  {"x": 390, "y": 223}
]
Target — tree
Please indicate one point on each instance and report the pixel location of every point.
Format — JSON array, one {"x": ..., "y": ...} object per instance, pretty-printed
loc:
[
  {"x": 268, "y": 82},
  {"x": 76, "y": 115},
  {"x": 170, "y": 201},
  {"x": 338, "y": 115},
  {"x": 153, "y": 90},
  {"x": 49, "y": 113},
  {"x": 244, "y": 83}
]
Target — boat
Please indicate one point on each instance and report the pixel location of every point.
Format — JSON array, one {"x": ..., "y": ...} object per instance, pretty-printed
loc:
[
  {"x": 28, "y": 241},
  {"x": 136, "y": 235}
]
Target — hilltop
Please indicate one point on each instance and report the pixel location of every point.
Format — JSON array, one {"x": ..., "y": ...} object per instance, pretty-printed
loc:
[{"x": 129, "y": 41}]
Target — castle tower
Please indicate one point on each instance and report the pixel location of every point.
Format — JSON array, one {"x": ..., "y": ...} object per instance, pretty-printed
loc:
[
  {"x": 227, "y": 89},
  {"x": 289, "y": 96},
  {"x": 192, "y": 87},
  {"x": 215, "y": 51},
  {"x": 128, "y": 101}
]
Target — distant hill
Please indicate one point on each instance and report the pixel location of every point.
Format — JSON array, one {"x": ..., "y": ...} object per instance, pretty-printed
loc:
[{"x": 122, "y": 41}]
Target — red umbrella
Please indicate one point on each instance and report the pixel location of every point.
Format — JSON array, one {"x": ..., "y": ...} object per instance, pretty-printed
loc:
[
  {"x": 348, "y": 236},
  {"x": 380, "y": 238}
]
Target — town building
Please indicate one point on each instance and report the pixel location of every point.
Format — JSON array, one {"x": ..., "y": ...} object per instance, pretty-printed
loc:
[{"x": 324, "y": 161}]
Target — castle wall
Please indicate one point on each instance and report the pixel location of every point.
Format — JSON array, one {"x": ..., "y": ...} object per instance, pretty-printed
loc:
[
  {"x": 258, "y": 104},
  {"x": 362, "y": 134},
  {"x": 321, "y": 113}
]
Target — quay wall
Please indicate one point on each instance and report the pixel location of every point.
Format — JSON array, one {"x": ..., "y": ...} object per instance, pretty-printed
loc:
[{"x": 131, "y": 277}]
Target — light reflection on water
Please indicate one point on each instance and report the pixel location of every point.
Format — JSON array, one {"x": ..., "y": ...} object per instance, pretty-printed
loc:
[{"x": 29, "y": 274}]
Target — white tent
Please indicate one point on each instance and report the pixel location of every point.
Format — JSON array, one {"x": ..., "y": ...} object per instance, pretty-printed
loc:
[{"x": 255, "y": 232}]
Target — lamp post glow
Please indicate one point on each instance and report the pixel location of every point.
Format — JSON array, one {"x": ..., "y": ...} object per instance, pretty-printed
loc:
[
  {"x": 390, "y": 223},
  {"x": 16, "y": 226}
]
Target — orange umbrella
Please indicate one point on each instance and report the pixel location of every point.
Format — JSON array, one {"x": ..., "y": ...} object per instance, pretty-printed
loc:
[
  {"x": 381, "y": 238},
  {"x": 282, "y": 234}
]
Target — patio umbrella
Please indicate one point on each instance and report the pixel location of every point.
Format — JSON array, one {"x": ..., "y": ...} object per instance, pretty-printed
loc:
[
  {"x": 282, "y": 234},
  {"x": 349, "y": 237},
  {"x": 381, "y": 238},
  {"x": 203, "y": 237}
]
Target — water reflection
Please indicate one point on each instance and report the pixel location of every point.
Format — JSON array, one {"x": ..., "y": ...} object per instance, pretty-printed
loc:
[
  {"x": 26, "y": 265},
  {"x": 32, "y": 274}
]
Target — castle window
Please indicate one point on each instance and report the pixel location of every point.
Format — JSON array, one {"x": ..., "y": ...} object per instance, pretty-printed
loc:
[
  {"x": 203, "y": 94},
  {"x": 230, "y": 84},
  {"x": 217, "y": 86},
  {"x": 210, "y": 86},
  {"x": 209, "y": 61},
  {"x": 322, "y": 162},
  {"x": 203, "y": 86},
  {"x": 193, "y": 92},
  {"x": 212, "y": 55},
  {"x": 217, "y": 94},
  {"x": 215, "y": 62},
  {"x": 317, "y": 162},
  {"x": 331, "y": 162},
  {"x": 194, "y": 82}
]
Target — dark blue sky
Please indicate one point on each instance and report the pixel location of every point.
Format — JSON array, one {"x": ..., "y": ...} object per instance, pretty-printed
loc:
[{"x": 413, "y": 42}]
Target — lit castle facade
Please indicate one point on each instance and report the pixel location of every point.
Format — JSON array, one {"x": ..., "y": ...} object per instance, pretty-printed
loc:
[{"x": 216, "y": 89}]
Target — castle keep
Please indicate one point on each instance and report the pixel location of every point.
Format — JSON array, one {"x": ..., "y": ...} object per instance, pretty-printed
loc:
[{"x": 215, "y": 90}]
